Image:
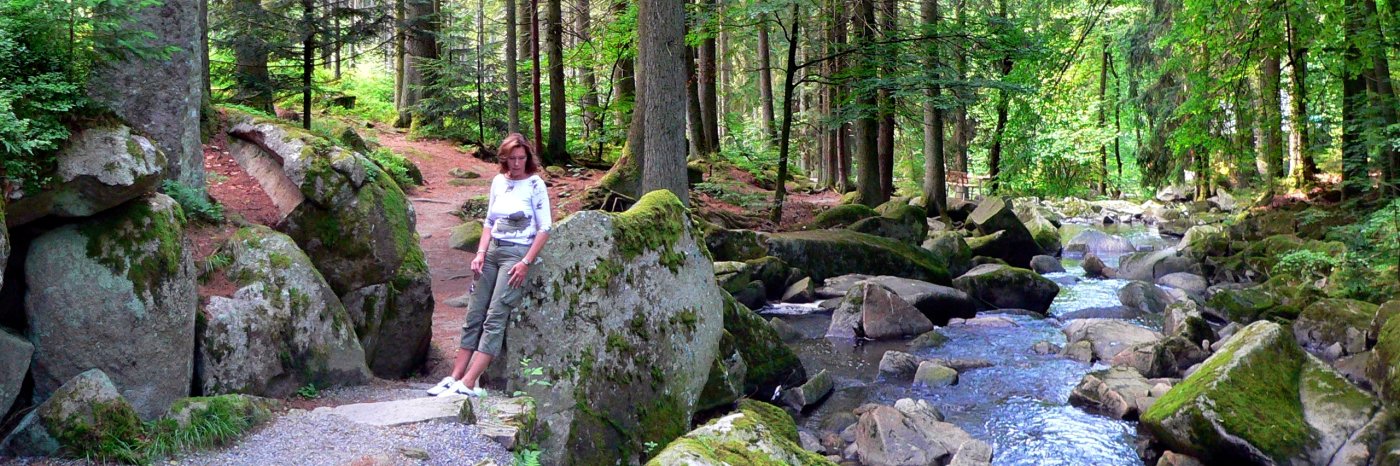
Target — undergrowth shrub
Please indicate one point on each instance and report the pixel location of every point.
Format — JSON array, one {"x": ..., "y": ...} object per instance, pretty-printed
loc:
[
  {"x": 404, "y": 172},
  {"x": 1371, "y": 269},
  {"x": 197, "y": 205}
]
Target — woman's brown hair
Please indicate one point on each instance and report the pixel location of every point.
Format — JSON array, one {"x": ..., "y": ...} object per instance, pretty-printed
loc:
[{"x": 511, "y": 141}]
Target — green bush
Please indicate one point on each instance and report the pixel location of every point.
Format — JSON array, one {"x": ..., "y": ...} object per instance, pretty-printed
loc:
[
  {"x": 1371, "y": 272},
  {"x": 1307, "y": 264},
  {"x": 403, "y": 171},
  {"x": 196, "y": 204}
]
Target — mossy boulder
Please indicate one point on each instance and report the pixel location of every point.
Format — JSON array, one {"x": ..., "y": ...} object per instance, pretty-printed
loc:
[
  {"x": 1384, "y": 369},
  {"x": 1250, "y": 304},
  {"x": 1205, "y": 240},
  {"x": 358, "y": 228},
  {"x": 773, "y": 272},
  {"x": 756, "y": 434},
  {"x": 832, "y": 253},
  {"x": 1016, "y": 245},
  {"x": 769, "y": 361},
  {"x": 98, "y": 168},
  {"x": 1099, "y": 243},
  {"x": 123, "y": 276},
  {"x": 81, "y": 417},
  {"x": 1259, "y": 260},
  {"x": 904, "y": 223},
  {"x": 725, "y": 383},
  {"x": 1339, "y": 322},
  {"x": 634, "y": 295},
  {"x": 953, "y": 249},
  {"x": 1260, "y": 399},
  {"x": 466, "y": 237},
  {"x": 282, "y": 328},
  {"x": 995, "y": 286},
  {"x": 735, "y": 245},
  {"x": 14, "y": 364},
  {"x": 1148, "y": 266},
  {"x": 842, "y": 216},
  {"x": 1046, "y": 235}
]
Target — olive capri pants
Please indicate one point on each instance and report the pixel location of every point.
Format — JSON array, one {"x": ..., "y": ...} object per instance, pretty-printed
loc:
[{"x": 493, "y": 299}]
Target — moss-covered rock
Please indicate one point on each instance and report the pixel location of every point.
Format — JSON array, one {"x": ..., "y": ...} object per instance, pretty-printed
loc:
[
  {"x": 466, "y": 237},
  {"x": 1260, "y": 400},
  {"x": 904, "y": 223},
  {"x": 953, "y": 249},
  {"x": 123, "y": 276},
  {"x": 1341, "y": 322},
  {"x": 85, "y": 417},
  {"x": 725, "y": 383},
  {"x": 1046, "y": 235},
  {"x": 832, "y": 253},
  {"x": 773, "y": 272},
  {"x": 1384, "y": 369},
  {"x": 282, "y": 328},
  {"x": 841, "y": 216},
  {"x": 634, "y": 295},
  {"x": 98, "y": 168},
  {"x": 1015, "y": 245},
  {"x": 1250, "y": 304},
  {"x": 735, "y": 245},
  {"x": 1259, "y": 260},
  {"x": 770, "y": 362},
  {"x": 358, "y": 227},
  {"x": 757, "y": 434},
  {"x": 1205, "y": 240},
  {"x": 1002, "y": 287}
]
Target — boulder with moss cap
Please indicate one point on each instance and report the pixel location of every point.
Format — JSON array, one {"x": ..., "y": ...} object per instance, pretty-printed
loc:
[
  {"x": 830, "y": 253},
  {"x": 1260, "y": 399},
  {"x": 358, "y": 228},
  {"x": 770, "y": 363},
  {"x": 995, "y": 286},
  {"x": 1336, "y": 324},
  {"x": 123, "y": 276},
  {"x": 1016, "y": 245},
  {"x": 755, "y": 434},
  {"x": 952, "y": 248},
  {"x": 81, "y": 415},
  {"x": 97, "y": 168},
  {"x": 281, "y": 329},
  {"x": 634, "y": 295}
]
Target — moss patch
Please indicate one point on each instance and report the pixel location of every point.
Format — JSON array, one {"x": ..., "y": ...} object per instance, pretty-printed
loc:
[
  {"x": 842, "y": 215},
  {"x": 118, "y": 240},
  {"x": 831, "y": 253}
]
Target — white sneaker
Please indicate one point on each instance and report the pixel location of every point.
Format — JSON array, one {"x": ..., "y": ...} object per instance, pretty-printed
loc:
[
  {"x": 442, "y": 386},
  {"x": 457, "y": 388}
]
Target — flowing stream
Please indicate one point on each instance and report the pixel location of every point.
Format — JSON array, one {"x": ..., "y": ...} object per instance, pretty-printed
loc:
[{"x": 1019, "y": 405}]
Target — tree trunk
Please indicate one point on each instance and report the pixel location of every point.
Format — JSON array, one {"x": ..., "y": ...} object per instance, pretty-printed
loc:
[
  {"x": 1246, "y": 121},
  {"x": 660, "y": 51},
  {"x": 885, "y": 139},
  {"x": 420, "y": 45},
  {"x": 695, "y": 116},
  {"x": 1003, "y": 109},
  {"x": 535, "y": 90},
  {"x": 843, "y": 137},
  {"x": 765, "y": 79},
  {"x": 512, "y": 69},
  {"x": 867, "y": 125},
  {"x": 935, "y": 179},
  {"x": 1304, "y": 165},
  {"x": 590, "y": 83},
  {"x": 1355, "y": 166},
  {"x": 1270, "y": 123},
  {"x": 789, "y": 83},
  {"x": 625, "y": 88},
  {"x": 556, "y": 152},
  {"x": 252, "y": 82},
  {"x": 308, "y": 59},
  {"x": 709, "y": 99},
  {"x": 1385, "y": 99},
  {"x": 1103, "y": 118},
  {"x": 962, "y": 126},
  {"x": 400, "y": 36}
]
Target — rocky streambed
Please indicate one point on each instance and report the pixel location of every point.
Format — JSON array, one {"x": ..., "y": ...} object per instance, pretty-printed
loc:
[{"x": 1013, "y": 385}]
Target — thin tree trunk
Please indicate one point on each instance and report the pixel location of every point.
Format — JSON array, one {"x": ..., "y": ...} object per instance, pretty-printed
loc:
[
  {"x": 591, "y": 123},
  {"x": 1304, "y": 165},
  {"x": 885, "y": 139},
  {"x": 789, "y": 83},
  {"x": 843, "y": 137},
  {"x": 726, "y": 71},
  {"x": 480, "y": 72},
  {"x": 661, "y": 49},
  {"x": 1003, "y": 109},
  {"x": 400, "y": 36},
  {"x": 765, "y": 79},
  {"x": 512, "y": 69},
  {"x": 1270, "y": 124},
  {"x": 535, "y": 89},
  {"x": 935, "y": 179},
  {"x": 695, "y": 119},
  {"x": 1385, "y": 99},
  {"x": 962, "y": 126},
  {"x": 556, "y": 152},
  {"x": 709, "y": 100},
  {"x": 867, "y": 125},
  {"x": 1103, "y": 118},
  {"x": 625, "y": 85},
  {"x": 1355, "y": 166}
]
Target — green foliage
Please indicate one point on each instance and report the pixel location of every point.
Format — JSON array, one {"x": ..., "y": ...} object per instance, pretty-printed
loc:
[
  {"x": 1306, "y": 263},
  {"x": 399, "y": 168},
  {"x": 373, "y": 89},
  {"x": 308, "y": 391},
  {"x": 48, "y": 49},
  {"x": 527, "y": 458},
  {"x": 450, "y": 108},
  {"x": 197, "y": 205},
  {"x": 117, "y": 435},
  {"x": 533, "y": 375},
  {"x": 1371, "y": 270},
  {"x": 730, "y": 193}
]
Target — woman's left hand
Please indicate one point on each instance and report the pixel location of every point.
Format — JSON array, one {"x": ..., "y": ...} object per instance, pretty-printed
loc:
[{"x": 517, "y": 274}]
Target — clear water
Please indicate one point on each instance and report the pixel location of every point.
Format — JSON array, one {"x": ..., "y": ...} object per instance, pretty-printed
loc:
[{"x": 1019, "y": 405}]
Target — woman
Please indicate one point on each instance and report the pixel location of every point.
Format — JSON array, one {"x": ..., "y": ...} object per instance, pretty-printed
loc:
[{"x": 516, "y": 228}]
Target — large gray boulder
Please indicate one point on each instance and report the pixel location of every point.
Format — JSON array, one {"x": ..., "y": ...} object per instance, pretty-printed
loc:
[
  {"x": 937, "y": 302},
  {"x": 1168, "y": 357},
  {"x": 97, "y": 168},
  {"x": 913, "y": 433},
  {"x": 952, "y": 248},
  {"x": 161, "y": 95},
  {"x": 282, "y": 328},
  {"x": 1099, "y": 243},
  {"x": 770, "y": 363},
  {"x": 1144, "y": 297},
  {"x": 1147, "y": 266},
  {"x": 756, "y": 433},
  {"x": 870, "y": 310},
  {"x": 1016, "y": 245},
  {"x": 15, "y": 354},
  {"x": 1107, "y": 337},
  {"x": 124, "y": 276},
  {"x": 996, "y": 286},
  {"x": 1117, "y": 392},
  {"x": 1338, "y": 324},
  {"x": 633, "y": 295},
  {"x": 81, "y": 416},
  {"x": 1260, "y": 399},
  {"x": 358, "y": 228},
  {"x": 831, "y": 253}
]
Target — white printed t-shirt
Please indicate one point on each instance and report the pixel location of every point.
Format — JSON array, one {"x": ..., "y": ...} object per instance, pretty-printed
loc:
[{"x": 518, "y": 209}]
